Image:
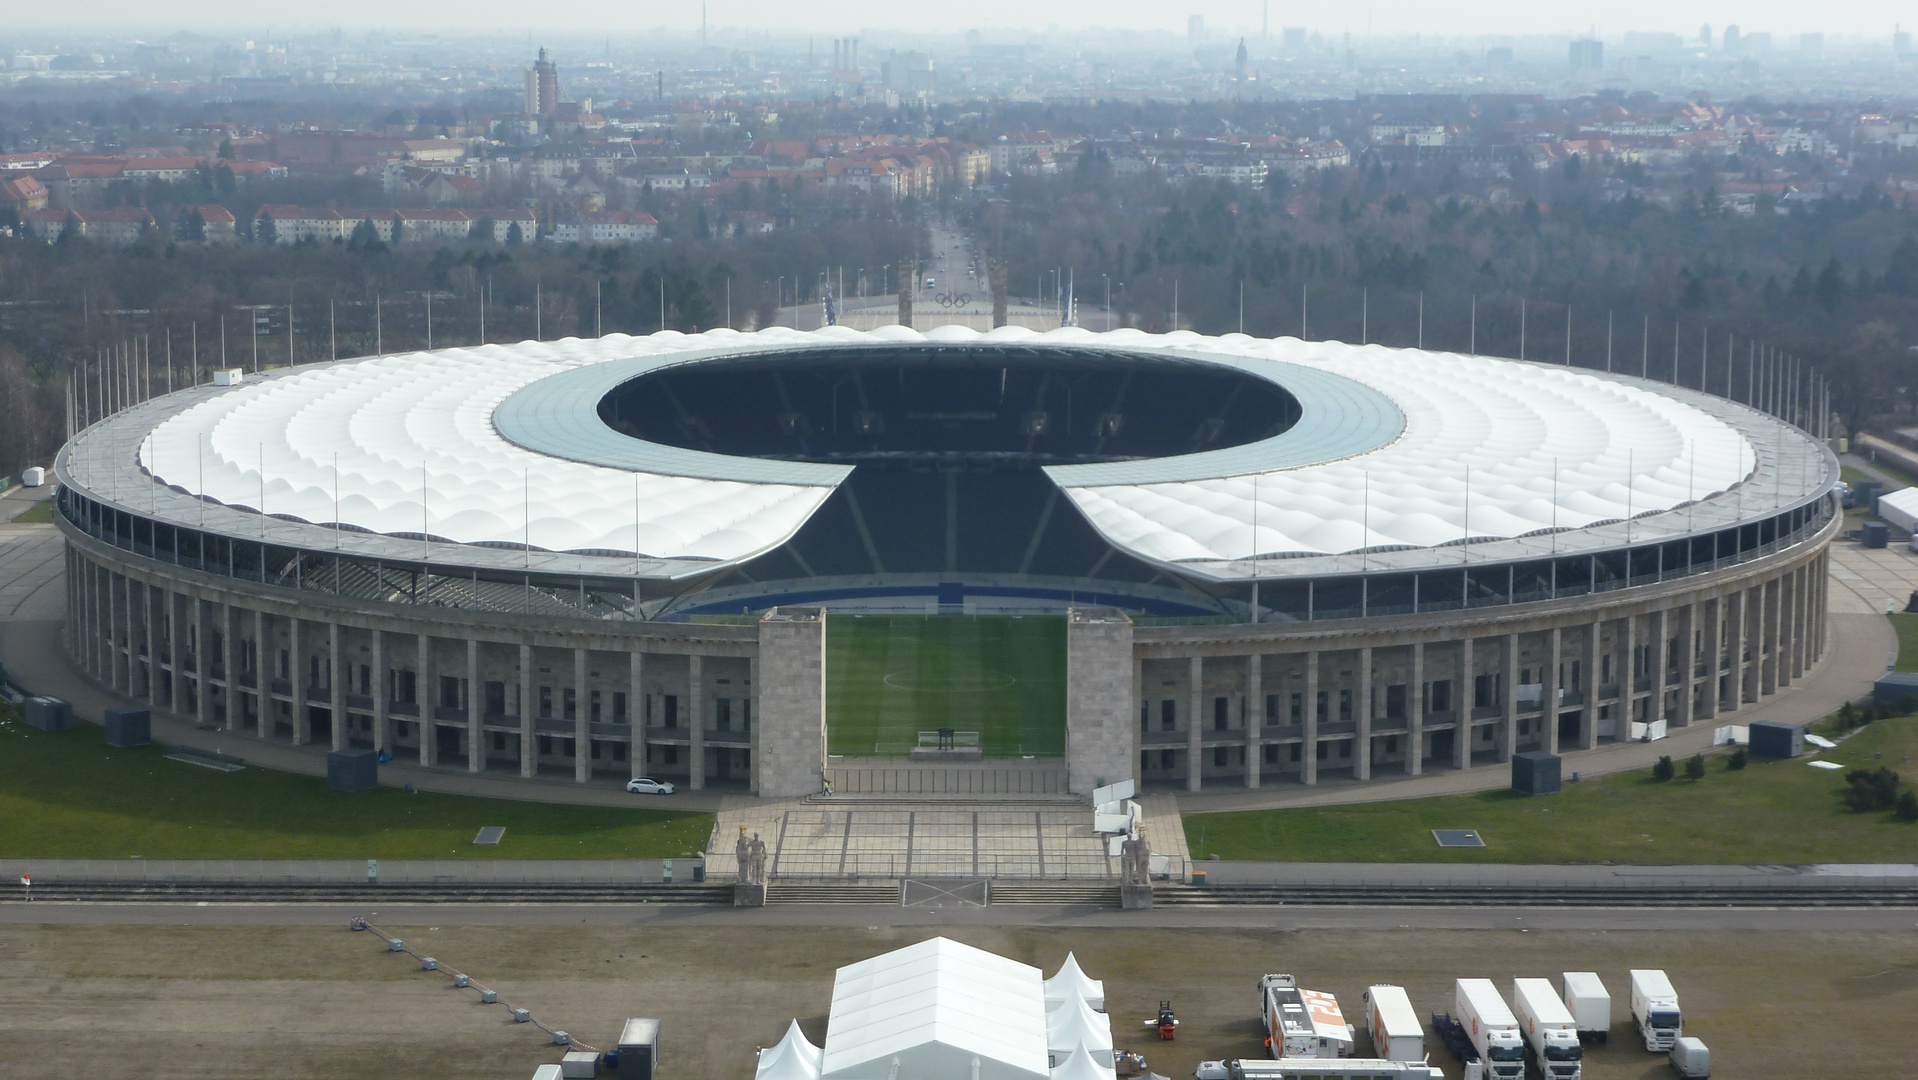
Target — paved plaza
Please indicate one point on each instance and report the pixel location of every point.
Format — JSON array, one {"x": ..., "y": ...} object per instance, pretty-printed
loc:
[{"x": 885, "y": 840}]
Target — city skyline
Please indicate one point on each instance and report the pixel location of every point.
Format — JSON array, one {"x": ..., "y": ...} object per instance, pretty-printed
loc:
[{"x": 1852, "y": 18}]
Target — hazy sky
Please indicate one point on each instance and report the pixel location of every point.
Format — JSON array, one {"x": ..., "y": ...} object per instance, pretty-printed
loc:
[{"x": 617, "y": 17}]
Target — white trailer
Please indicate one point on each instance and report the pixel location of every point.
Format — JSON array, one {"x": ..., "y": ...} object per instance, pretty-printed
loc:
[
  {"x": 1655, "y": 1009},
  {"x": 1491, "y": 1027},
  {"x": 1302, "y": 1023},
  {"x": 1589, "y": 1003},
  {"x": 1396, "y": 1034},
  {"x": 1550, "y": 1034}
]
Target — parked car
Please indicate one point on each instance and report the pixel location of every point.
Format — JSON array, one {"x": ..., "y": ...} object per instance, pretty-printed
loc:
[{"x": 646, "y": 785}]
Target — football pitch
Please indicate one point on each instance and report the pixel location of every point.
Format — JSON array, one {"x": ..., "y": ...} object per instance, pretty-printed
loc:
[{"x": 890, "y": 677}]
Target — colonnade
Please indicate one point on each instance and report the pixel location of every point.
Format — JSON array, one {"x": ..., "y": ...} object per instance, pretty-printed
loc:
[
  {"x": 671, "y": 700},
  {"x": 1250, "y": 704}
]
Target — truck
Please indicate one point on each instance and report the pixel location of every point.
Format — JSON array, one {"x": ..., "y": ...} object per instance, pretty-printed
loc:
[
  {"x": 1551, "y": 1036},
  {"x": 1316, "y": 1069},
  {"x": 1302, "y": 1023},
  {"x": 1690, "y": 1059},
  {"x": 1655, "y": 1009},
  {"x": 1590, "y": 1005},
  {"x": 1396, "y": 1035},
  {"x": 1491, "y": 1027}
]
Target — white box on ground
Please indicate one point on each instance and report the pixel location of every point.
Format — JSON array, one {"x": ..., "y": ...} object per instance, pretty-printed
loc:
[
  {"x": 578, "y": 1065},
  {"x": 34, "y": 477},
  {"x": 229, "y": 376},
  {"x": 1651, "y": 732},
  {"x": 1731, "y": 735},
  {"x": 1111, "y": 823},
  {"x": 1119, "y": 792},
  {"x": 547, "y": 1072}
]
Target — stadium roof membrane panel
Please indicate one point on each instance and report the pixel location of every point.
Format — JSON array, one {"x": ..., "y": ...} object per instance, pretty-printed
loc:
[{"x": 1395, "y": 451}]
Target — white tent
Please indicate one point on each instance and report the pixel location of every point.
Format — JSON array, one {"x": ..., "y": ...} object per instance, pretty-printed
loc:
[
  {"x": 792, "y": 1058},
  {"x": 1900, "y": 509},
  {"x": 1074, "y": 1025},
  {"x": 937, "y": 1010},
  {"x": 1081, "y": 1066},
  {"x": 1072, "y": 983}
]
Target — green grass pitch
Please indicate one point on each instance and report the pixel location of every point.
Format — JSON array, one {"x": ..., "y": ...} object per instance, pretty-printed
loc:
[{"x": 889, "y": 677}]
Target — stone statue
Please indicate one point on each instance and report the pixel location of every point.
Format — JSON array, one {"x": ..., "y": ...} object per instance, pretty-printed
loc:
[{"x": 1135, "y": 862}]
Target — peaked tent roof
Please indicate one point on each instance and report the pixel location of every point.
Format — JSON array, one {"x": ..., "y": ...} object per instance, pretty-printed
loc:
[
  {"x": 1071, "y": 982},
  {"x": 1080, "y": 1066},
  {"x": 1074, "y": 1023},
  {"x": 792, "y": 1058},
  {"x": 936, "y": 1008}
]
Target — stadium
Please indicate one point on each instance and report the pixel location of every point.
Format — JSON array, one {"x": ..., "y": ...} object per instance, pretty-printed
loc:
[{"x": 947, "y": 561}]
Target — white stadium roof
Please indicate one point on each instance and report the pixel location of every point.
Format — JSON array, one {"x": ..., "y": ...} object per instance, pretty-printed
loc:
[{"x": 1396, "y": 453}]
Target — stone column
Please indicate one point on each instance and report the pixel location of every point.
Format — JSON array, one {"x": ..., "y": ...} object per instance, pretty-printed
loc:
[
  {"x": 1588, "y": 712},
  {"x": 528, "y": 744},
  {"x": 752, "y": 707},
  {"x": 115, "y": 656},
  {"x": 1713, "y": 613},
  {"x": 696, "y": 706},
  {"x": 1782, "y": 643},
  {"x": 1661, "y": 661},
  {"x": 424, "y": 697},
  {"x": 1194, "y": 723},
  {"x": 176, "y": 649},
  {"x": 1687, "y": 665},
  {"x": 1415, "y": 706},
  {"x": 1732, "y": 664},
  {"x": 1101, "y": 700},
  {"x": 1627, "y": 680},
  {"x": 636, "y": 716},
  {"x": 582, "y": 721},
  {"x": 1508, "y": 737},
  {"x": 296, "y": 680},
  {"x": 1768, "y": 636},
  {"x": 475, "y": 708},
  {"x": 792, "y": 702},
  {"x": 1254, "y": 717},
  {"x": 1753, "y": 663},
  {"x": 338, "y": 683},
  {"x": 382, "y": 735},
  {"x": 1362, "y": 736},
  {"x": 1462, "y": 707},
  {"x": 202, "y": 663},
  {"x": 1548, "y": 699},
  {"x": 1807, "y": 593},
  {"x": 1309, "y": 717},
  {"x": 262, "y": 676},
  {"x": 141, "y": 640}
]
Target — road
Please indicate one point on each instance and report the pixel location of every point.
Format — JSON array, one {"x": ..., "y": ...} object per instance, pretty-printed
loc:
[{"x": 1288, "y": 917}]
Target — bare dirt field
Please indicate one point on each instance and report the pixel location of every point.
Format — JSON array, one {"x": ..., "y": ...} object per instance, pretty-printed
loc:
[{"x": 296, "y": 1002}]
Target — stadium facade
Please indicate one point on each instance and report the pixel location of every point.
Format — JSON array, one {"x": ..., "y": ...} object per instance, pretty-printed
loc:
[{"x": 1276, "y": 560}]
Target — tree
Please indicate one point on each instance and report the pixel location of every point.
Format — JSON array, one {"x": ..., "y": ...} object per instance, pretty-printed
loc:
[
  {"x": 1695, "y": 767},
  {"x": 1738, "y": 759},
  {"x": 366, "y": 237},
  {"x": 1663, "y": 770},
  {"x": 483, "y": 229},
  {"x": 1871, "y": 789},
  {"x": 1907, "y": 807},
  {"x": 514, "y": 235},
  {"x": 226, "y": 149}
]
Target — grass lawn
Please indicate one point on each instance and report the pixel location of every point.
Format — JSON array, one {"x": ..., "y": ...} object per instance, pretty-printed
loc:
[
  {"x": 1769, "y": 812},
  {"x": 1907, "y": 627},
  {"x": 40, "y": 513},
  {"x": 68, "y": 795},
  {"x": 889, "y": 677}
]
